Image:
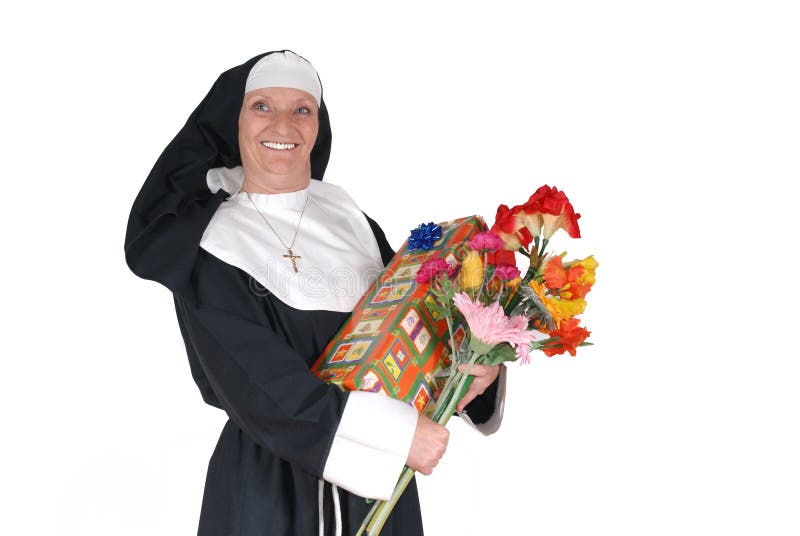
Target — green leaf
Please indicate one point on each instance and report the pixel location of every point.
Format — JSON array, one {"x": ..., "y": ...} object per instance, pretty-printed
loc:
[{"x": 500, "y": 354}]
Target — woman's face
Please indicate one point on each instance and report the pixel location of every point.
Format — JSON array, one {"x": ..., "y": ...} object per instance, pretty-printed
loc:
[{"x": 277, "y": 130}]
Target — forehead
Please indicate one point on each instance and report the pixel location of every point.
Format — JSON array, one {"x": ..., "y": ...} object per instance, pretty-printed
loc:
[{"x": 280, "y": 93}]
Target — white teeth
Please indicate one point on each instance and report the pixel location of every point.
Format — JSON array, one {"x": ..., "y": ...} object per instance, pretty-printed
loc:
[{"x": 279, "y": 146}]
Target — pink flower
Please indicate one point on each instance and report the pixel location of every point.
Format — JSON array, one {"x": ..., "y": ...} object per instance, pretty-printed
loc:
[
  {"x": 486, "y": 241},
  {"x": 524, "y": 354},
  {"x": 431, "y": 269},
  {"x": 489, "y": 326},
  {"x": 507, "y": 272}
]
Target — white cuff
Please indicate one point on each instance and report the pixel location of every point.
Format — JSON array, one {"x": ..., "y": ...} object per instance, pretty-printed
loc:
[
  {"x": 493, "y": 424},
  {"x": 371, "y": 445}
]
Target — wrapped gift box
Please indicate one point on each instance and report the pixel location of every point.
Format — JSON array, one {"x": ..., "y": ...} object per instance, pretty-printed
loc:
[{"x": 393, "y": 343}]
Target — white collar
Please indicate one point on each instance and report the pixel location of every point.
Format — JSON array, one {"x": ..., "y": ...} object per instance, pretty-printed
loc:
[
  {"x": 340, "y": 257},
  {"x": 268, "y": 202}
]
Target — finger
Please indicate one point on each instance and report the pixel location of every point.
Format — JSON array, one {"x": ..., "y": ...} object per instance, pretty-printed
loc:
[
  {"x": 469, "y": 396},
  {"x": 477, "y": 370},
  {"x": 478, "y": 387},
  {"x": 464, "y": 402}
]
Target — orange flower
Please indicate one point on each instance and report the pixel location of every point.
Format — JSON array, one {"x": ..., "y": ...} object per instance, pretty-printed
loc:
[
  {"x": 555, "y": 276},
  {"x": 574, "y": 291},
  {"x": 572, "y": 281},
  {"x": 570, "y": 334}
]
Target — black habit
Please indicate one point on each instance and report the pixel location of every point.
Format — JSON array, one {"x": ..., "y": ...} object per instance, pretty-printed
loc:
[{"x": 248, "y": 351}]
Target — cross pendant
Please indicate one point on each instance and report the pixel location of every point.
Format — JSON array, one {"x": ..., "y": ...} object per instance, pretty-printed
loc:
[{"x": 291, "y": 256}]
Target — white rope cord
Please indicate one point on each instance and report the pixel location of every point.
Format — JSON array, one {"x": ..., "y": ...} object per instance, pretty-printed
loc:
[
  {"x": 336, "y": 507},
  {"x": 320, "y": 498}
]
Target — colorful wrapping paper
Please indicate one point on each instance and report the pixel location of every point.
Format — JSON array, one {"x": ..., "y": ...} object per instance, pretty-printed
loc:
[{"x": 393, "y": 343}]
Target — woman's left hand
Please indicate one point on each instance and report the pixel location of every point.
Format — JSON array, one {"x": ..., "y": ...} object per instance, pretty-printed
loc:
[{"x": 484, "y": 375}]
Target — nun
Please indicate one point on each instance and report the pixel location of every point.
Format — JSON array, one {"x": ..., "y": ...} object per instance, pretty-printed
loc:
[{"x": 265, "y": 262}]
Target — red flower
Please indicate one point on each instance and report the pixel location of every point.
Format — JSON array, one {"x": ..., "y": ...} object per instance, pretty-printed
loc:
[
  {"x": 525, "y": 236},
  {"x": 509, "y": 227},
  {"x": 570, "y": 334},
  {"x": 505, "y": 221},
  {"x": 556, "y": 210},
  {"x": 502, "y": 256}
]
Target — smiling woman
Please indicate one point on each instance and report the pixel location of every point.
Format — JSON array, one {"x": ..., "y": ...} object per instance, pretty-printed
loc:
[
  {"x": 277, "y": 129},
  {"x": 235, "y": 220}
]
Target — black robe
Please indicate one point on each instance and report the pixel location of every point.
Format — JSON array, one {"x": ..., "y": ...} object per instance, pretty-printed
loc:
[
  {"x": 249, "y": 352},
  {"x": 249, "y": 355}
]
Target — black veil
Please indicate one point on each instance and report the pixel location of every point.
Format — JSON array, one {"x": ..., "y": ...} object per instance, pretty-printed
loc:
[{"x": 175, "y": 205}]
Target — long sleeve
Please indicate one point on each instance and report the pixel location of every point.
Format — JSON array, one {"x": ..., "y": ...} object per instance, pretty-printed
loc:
[
  {"x": 174, "y": 205},
  {"x": 263, "y": 384},
  {"x": 359, "y": 441},
  {"x": 371, "y": 445}
]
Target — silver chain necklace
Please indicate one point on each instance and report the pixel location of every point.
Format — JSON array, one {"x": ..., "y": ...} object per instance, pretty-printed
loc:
[{"x": 291, "y": 256}]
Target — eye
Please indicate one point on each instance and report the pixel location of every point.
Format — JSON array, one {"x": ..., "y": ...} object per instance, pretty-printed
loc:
[
  {"x": 303, "y": 110},
  {"x": 261, "y": 107}
]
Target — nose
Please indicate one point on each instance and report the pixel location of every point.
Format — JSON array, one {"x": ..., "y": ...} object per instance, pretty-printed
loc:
[{"x": 282, "y": 122}]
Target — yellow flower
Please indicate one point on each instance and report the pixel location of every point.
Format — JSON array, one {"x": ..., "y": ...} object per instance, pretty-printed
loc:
[
  {"x": 589, "y": 266},
  {"x": 559, "y": 309},
  {"x": 564, "y": 309},
  {"x": 471, "y": 271}
]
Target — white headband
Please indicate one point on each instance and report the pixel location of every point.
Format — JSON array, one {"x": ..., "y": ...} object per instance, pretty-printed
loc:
[{"x": 284, "y": 69}]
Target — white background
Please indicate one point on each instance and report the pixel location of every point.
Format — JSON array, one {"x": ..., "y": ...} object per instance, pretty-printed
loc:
[{"x": 672, "y": 126}]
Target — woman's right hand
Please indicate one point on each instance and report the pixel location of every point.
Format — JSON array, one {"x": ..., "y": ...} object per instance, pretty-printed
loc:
[{"x": 428, "y": 445}]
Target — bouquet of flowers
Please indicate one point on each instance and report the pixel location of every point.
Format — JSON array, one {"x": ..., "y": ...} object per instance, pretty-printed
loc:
[{"x": 508, "y": 314}]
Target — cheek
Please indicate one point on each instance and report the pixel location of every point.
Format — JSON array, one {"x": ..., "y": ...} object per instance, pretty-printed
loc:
[
  {"x": 310, "y": 133},
  {"x": 249, "y": 126},
  {"x": 242, "y": 136}
]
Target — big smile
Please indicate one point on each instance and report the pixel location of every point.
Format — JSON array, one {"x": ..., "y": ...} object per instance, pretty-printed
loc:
[{"x": 278, "y": 146}]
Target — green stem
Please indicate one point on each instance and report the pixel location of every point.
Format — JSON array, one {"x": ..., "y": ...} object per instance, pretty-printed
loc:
[
  {"x": 369, "y": 516},
  {"x": 371, "y": 521},
  {"x": 447, "y": 391},
  {"x": 529, "y": 275},
  {"x": 483, "y": 282},
  {"x": 385, "y": 509},
  {"x": 376, "y": 519},
  {"x": 452, "y": 337},
  {"x": 459, "y": 391},
  {"x": 544, "y": 245},
  {"x": 454, "y": 362}
]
